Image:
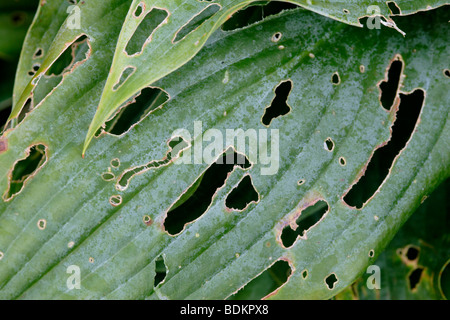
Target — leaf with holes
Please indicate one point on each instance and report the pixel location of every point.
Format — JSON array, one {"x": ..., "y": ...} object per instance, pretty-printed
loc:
[
  {"x": 239, "y": 173},
  {"x": 159, "y": 36},
  {"x": 416, "y": 264}
]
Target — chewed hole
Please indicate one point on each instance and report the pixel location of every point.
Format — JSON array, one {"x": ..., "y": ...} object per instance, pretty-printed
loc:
[
  {"x": 195, "y": 201},
  {"x": 241, "y": 196},
  {"x": 108, "y": 176},
  {"x": 301, "y": 181},
  {"x": 197, "y": 21},
  {"x": 412, "y": 253},
  {"x": 25, "y": 169},
  {"x": 126, "y": 73},
  {"x": 328, "y": 144},
  {"x": 147, "y": 220},
  {"x": 42, "y": 223},
  {"x": 395, "y": 10},
  {"x": 382, "y": 159},
  {"x": 91, "y": 260},
  {"x": 276, "y": 37},
  {"x": 160, "y": 271},
  {"x": 115, "y": 200},
  {"x": 362, "y": 68},
  {"x": 115, "y": 163},
  {"x": 139, "y": 10},
  {"x": 331, "y": 281},
  {"x": 414, "y": 278},
  {"x": 390, "y": 87},
  {"x": 135, "y": 110},
  {"x": 36, "y": 67},
  {"x": 266, "y": 283},
  {"x": 145, "y": 31},
  {"x": 342, "y": 161},
  {"x": 77, "y": 52},
  {"x": 279, "y": 106},
  {"x": 254, "y": 13},
  {"x": 1, "y": 255},
  {"x": 447, "y": 73},
  {"x": 309, "y": 217},
  {"x": 335, "y": 78},
  {"x": 346, "y": 11},
  {"x": 305, "y": 274},
  {"x": 371, "y": 253}
]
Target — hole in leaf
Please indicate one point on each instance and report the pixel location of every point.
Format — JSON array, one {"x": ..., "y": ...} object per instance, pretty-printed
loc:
[
  {"x": 126, "y": 73},
  {"x": 196, "y": 199},
  {"x": 390, "y": 87},
  {"x": 241, "y": 196},
  {"x": 331, "y": 281},
  {"x": 412, "y": 253},
  {"x": 160, "y": 271},
  {"x": 115, "y": 200},
  {"x": 266, "y": 283},
  {"x": 383, "y": 158},
  {"x": 342, "y": 161},
  {"x": 305, "y": 274},
  {"x": 145, "y": 30},
  {"x": 76, "y": 52},
  {"x": 108, "y": 176},
  {"x": 147, "y": 220},
  {"x": 279, "y": 106},
  {"x": 447, "y": 73},
  {"x": 346, "y": 11},
  {"x": 131, "y": 113},
  {"x": 394, "y": 7},
  {"x": 196, "y": 21},
  {"x": 176, "y": 146},
  {"x": 335, "y": 78},
  {"x": 371, "y": 253},
  {"x": 139, "y": 10},
  {"x": 415, "y": 277},
  {"x": 328, "y": 144},
  {"x": 308, "y": 218},
  {"x": 276, "y": 37},
  {"x": 42, "y": 224},
  {"x": 27, "y": 107},
  {"x": 255, "y": 13},
  {"x": 25, "y": 169}
]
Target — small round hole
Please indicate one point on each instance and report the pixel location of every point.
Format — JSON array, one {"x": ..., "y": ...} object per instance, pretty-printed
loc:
[
  {"x": 147, "y": 220},
  {"x": 139, "y": 10},
  {"x": 346, "y": 11},
  {"x": 371, "y": 253},
  {"x": 305, "y": 274},
  {"x": 38, "y": 53},
  {"x": 276, "y": 37},
  {"x": 328, "y": 144},
  {"x": 115, "y": 200},
  {"x": 362, "y": 68},
  {"x": 301, "y": 181},
  {"x": 42, "y": 223},
  {"x": 447, "y": 73},
  {"x": 342, "y": 161},
  {"x": 335, "y": 78}
]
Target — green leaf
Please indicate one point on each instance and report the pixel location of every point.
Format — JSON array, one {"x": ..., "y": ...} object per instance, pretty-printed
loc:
[
  {"x": 168, "y": 50},
  {"x": 68, "y": 214}
]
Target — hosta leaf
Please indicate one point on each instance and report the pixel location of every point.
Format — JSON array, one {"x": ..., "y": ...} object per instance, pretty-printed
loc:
[
  {"x": 164, "y": 49},
  {"x": 75, "y": 212}
]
